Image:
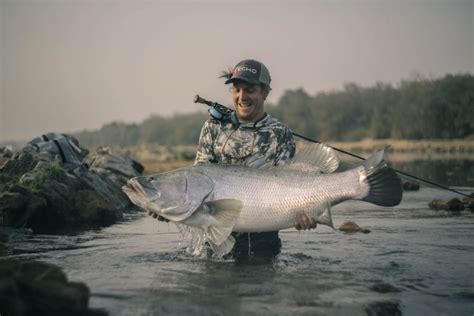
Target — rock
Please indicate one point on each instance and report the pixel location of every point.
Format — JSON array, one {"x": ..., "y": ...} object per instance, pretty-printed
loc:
[
  {"x": 453, "y": 205},
  {"x": 3, "y": 240},
  {"x": 119, "y": 168},
  {"x": 48, "y": 187},
  {"x": 411, "y": 186},
  {"x": 437, "y": 204},
  {"x": 19, "y": 164},
  {"x": 92, "y": 208},
  {"x": 105, "y": 187},
  {"x": 469, "y": 201},
  {"x": 18, "y": 205},
  {"x": 5, "y": 154},
  {"x": 37, "y": 288},
  {"x": 351, "y": 227}
]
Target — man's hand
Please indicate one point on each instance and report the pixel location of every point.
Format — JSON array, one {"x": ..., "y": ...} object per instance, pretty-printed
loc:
[
  {"x": 158, "y": 217},
  {"x": 304, "y": 222}
]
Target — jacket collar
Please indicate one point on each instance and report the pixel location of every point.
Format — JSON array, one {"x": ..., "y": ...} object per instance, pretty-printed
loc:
[{"x": 261, "y": 122}]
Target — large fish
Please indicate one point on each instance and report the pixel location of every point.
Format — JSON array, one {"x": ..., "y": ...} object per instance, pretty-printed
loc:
[{"x": 221, "y": 199}]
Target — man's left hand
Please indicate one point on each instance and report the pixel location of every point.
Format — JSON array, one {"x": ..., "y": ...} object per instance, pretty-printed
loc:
[{"x": 304, "y": 222}]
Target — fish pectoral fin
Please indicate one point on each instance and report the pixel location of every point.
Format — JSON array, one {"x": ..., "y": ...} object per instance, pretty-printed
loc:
[
  {"x": 326, "y": 218},
  {"x": 224, "y": 248},
  {"x": 217, "y": 235},
  {"x": 225, "y": 212}
]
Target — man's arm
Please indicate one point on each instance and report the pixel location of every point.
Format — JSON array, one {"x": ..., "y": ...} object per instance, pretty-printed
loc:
[
  {"x": 205, "y": 151},
  {"x": 286, "y": 147}
]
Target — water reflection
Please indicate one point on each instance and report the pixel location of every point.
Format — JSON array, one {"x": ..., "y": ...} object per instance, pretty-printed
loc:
[{"x": 449, "y": 172}]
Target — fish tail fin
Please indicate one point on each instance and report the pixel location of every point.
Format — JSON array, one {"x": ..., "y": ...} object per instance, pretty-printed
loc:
[
  {"x": 326, "y": 218},
  {"x": 384, "y": 185}
]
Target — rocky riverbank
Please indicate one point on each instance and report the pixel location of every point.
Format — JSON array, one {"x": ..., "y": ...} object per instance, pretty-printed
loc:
[
  {"x": 54, "y": 185},
  {"x": 38, "y": 288}
]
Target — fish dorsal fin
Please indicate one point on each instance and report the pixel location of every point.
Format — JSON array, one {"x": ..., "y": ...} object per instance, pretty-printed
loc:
[
  {"x": 225, "y": 212},
  {"x": 318, "y": 155},
  {"x": 260, "y": 162}
]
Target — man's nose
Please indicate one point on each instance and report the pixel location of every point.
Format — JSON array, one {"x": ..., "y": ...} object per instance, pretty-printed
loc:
[{"x": 242, "y": 94}]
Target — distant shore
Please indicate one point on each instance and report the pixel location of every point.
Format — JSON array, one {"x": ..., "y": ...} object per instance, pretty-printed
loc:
[
  {"x": 158, "y": 158},
  {"x": 433, "y": 146},
  {"x": 404, "y": 150}
]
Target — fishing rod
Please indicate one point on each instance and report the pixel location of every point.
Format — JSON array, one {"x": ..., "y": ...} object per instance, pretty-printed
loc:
[{"x": 221, "y": 112}]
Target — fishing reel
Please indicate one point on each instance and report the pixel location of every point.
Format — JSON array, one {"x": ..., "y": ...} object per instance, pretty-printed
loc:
[{"x": 216, "y": 110}]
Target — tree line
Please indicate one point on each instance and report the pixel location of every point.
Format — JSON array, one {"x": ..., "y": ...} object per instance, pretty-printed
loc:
[{"x": 419, "y": 108}]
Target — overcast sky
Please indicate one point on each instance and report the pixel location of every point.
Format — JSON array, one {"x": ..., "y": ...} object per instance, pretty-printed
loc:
[{"x": 72, "y": 65}]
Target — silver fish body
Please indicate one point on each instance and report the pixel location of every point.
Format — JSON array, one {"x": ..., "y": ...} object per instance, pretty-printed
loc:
[
  {"x": 273, "y": 198},
  {"x": 225, "y": 198}
]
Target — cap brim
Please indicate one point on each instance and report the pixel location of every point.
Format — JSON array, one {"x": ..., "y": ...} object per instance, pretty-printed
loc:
[{"x": 245, "y": 79}]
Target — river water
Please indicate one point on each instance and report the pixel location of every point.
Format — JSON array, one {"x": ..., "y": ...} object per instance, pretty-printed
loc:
[{"x": 415, "y": 261}]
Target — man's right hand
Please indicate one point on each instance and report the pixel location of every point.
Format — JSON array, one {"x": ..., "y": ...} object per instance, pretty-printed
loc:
[{"x": 158, "y": 217}]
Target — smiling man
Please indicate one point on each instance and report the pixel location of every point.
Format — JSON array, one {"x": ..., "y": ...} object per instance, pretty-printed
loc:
[{"x": 251, "y": 137}]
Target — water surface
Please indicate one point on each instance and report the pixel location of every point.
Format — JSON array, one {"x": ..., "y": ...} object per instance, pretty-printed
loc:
[{"x": 415, "y": 261}]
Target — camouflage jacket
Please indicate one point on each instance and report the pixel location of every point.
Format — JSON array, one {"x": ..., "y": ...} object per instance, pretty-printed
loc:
[{"x": 267, "y": 141}]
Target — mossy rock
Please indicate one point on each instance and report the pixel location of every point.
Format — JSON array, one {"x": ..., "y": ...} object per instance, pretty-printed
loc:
[{"x": 38, "y": 288}]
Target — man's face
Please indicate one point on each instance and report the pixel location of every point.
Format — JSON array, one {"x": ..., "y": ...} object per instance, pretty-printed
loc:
[{"x": 248, "y": 101}]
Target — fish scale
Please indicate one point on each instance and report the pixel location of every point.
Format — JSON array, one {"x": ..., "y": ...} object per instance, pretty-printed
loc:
[{"x": 272, "y": 198}]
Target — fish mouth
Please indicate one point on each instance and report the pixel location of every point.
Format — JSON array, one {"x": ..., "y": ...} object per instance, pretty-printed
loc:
[{"x": 139, "y": 192}]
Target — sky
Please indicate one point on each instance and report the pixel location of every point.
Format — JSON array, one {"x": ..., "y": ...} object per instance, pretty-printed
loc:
[{"x": 70, "y": 65}]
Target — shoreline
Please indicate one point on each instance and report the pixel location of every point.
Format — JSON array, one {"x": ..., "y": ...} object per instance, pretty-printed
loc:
[
  {"x": 159, "y": 158},
  {"x": 432, "y": 146}
]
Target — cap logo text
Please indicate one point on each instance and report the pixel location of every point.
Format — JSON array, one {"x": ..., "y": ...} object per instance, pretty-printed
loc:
[{"x": 243, "y": 68}]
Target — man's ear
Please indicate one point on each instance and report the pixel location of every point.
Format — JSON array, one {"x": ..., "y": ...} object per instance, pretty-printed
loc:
[{"x": 265, "y": 91}]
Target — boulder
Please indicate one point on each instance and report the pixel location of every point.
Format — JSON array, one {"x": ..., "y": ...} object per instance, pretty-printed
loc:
[
  {"x": 411, "y": 186},
  {"x": 350, "y": 227},
  {"x": 453, "y": 205},
  {"x": 37, "y": 288},
  {"x": 469, "y": 201},
  {"x": 53, "y": 185},
  {"x": 3, "y": 241},
  {"x": 113, "y": 165},
  {"x": 437, "y": 204}
]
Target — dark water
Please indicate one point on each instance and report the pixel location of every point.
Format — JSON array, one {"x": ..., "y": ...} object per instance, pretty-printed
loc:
[{"x": 415, "y": 261}]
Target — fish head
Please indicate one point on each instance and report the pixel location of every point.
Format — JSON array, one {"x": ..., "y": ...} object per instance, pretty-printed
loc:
[{"x": 174, "y": 195}]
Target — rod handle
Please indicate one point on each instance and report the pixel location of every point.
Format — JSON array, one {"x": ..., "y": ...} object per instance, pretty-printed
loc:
[{"x": 198, "y": 99}]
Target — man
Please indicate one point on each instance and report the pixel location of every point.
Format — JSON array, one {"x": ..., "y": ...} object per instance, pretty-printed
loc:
[{"x": 251, "y": 137}]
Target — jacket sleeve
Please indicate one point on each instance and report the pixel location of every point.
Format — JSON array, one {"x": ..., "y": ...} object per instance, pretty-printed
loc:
[
  {"x": 286, "y": 147},
  {"x": 205, "y": 151}
]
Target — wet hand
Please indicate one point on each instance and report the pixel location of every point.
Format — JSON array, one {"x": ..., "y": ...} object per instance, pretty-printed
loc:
[
  {"x": 158, "y": 217},
  {"x": 304, "y": 222}
]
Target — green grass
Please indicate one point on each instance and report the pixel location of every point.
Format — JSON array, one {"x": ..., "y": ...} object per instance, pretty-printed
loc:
[{"x": 53, "y": 170}]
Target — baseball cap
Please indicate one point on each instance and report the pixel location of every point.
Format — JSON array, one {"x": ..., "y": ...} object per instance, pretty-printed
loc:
[{"x": 250, "y": 71}]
